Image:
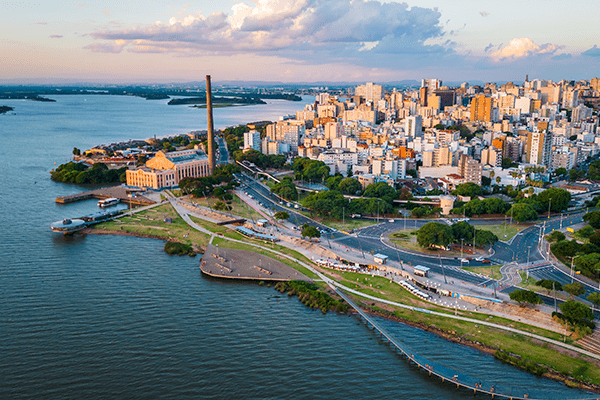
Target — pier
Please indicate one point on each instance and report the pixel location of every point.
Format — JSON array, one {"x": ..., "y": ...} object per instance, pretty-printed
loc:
[
  {"x": 118, "y": 192},
  {"x": 447, "y": 375}
]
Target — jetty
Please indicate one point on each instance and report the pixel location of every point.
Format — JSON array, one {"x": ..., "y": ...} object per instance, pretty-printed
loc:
[{"x": 125, "y": 195}]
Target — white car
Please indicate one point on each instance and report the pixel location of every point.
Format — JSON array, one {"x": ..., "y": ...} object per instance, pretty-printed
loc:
[
  {"x": 479, "y": 259},
  {"x": 464, "y": 260},
  {"x": 391, "y": 221}
]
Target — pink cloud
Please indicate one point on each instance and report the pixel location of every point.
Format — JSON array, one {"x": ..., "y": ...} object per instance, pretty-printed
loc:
[
  {"x": 56, "y": 36},
  {"x": 523, "y": 47}
]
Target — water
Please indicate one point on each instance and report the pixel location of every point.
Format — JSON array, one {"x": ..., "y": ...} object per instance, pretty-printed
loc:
[{"x": 115, "y": 317}]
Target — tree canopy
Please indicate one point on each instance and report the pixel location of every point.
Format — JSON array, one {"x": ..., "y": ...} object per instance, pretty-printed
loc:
[
  {"x": 349, "y": 186},
  {"x": 469, "y": 189},
  {"x": 434, "y": 234},
  {"x": 576, "y": 312},
  {"x": 310, "y": 232},
  {"x": 310, "y": 170},
  {"x": 593, "y": 218},
  {"x": 524, "y": 297},
  {"x": 549, "y": 284},
  {"x": 522, "y": 212},
  {"x": 556, "y": 199},
  {"x": 286, "y": 189},
  {"x": 574, "y": 289}
]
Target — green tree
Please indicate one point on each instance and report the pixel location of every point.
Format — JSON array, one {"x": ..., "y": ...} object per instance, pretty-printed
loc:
[
  {"x": 594, "y": 298},
  {"x": 565, "y": 248},
  {"x": 576, "y": 312},
  {"x": 468, "y": 189},
  {"x": 310, "y": 232},
  {"x": 76, "y": 151},
  {"x": 522, "y": 212},
  {"x": 462, "y": 230},
  {"x": 380, "y": 190},
  {"x": 557, "y": 199},
  {"x": 434, "y": 234},
  {"x": 281, "y": 215},
  {"x": 286, "y": 189},
  {"x": 574, "y": 289},
  {"x": 349, "y": 186},
  {"x": 508, "y": 163},
  {"x": 561, "y": 171},
  {"x": 549, "y": 285},
  {"x": 333, "y": 182},
  {"x": 524, "y": 297},
  {"x": 593, "y": 218},
  {"x": 485, "y": 238},
  {"x": 555, "y": 236}
]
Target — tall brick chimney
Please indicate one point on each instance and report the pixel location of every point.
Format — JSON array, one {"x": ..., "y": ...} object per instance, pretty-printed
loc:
[{"x": 209, "y": 120}]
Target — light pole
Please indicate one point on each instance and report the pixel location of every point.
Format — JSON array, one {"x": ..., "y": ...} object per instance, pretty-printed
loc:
[
  {"x": 344, "y": 218},
  {"x": 528, "y": 250},
  {"x": 461, "y": 251},
  {"x": 549, "y": 207},
  {"x": 561, "y": 218},
  {"x": 572, "y": 259}
]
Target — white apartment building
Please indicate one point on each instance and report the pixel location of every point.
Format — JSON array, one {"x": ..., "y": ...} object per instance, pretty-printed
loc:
[{"x": 252, "y": 140}]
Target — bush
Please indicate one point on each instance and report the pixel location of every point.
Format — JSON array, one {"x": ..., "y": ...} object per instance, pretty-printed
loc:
[{"x": 180, "y": 249}]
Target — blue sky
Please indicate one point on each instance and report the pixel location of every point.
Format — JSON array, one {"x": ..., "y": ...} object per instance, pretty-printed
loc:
[{"x": 297, "y": 40}]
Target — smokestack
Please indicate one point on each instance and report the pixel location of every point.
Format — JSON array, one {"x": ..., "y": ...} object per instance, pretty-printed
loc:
[{"x": 211, "y": 134}]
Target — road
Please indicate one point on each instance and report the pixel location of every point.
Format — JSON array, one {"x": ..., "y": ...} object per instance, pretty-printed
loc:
[{"x": 518, "y": 251}]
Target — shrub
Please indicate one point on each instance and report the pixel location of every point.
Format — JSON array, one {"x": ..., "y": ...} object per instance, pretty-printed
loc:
[{"x": 181, "y": 249}]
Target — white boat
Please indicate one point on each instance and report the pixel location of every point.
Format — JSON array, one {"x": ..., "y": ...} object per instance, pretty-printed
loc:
[{"x": 111, "y": 201}]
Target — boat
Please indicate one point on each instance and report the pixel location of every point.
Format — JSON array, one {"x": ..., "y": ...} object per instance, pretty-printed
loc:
[
  {"x": 68, "y": 226},
  {"x": 111, "y": 201}
]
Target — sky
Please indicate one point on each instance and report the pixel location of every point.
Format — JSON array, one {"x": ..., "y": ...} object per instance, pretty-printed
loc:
[{"x": 297, "y": 41}]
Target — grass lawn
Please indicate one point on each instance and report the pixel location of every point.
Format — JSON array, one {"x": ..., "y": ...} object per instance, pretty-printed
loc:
[
  {"x": 152, "y": 222},
  {"x": 491, "y": 271},
  {"x": 529, "y": 284},
  {"x": 405, "y": 239},
  {"x": 348, "y": 224},
  {"x": 238, "y": 207},
  {"x": 509, "y": 230}
]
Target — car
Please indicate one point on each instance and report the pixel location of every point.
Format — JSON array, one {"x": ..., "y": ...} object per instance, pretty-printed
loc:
[
  {"x": 486, "y": 262},
  {"x": 391, "y": 221},
  {"x": 479, "y": 259},
  {"x": 465, "y": 260}
]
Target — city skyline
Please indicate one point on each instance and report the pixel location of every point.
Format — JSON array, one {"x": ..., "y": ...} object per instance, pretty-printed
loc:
[{"x": 296, "y": 41}]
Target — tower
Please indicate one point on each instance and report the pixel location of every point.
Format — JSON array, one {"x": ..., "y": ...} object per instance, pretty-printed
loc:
[{"x": 211, "y": 134}]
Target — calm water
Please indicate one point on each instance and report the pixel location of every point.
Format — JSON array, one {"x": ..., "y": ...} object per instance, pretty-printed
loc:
[{"x": 115, "y": 317}]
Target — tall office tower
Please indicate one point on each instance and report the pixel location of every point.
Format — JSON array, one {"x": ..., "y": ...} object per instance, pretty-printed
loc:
[
  {"x": 209, "y": 120},
  {"x": 413, "y": 126},
  {"x": 539, "y": 148},
  {"x": 595, "y": 84},
  {"x": 423, "y": 97},
  {"x": 481, "y": 108}
]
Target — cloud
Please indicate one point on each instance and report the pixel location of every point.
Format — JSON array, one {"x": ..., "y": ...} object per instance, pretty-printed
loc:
[
  {"x": 80, "y": 5},
  {"x": 484, "y": 13},
  {"x": 304, "y": 30},
  {"x": 523, "y": 47},
  {"x": 115, "y": 47},
  {"x": 106, "y": 12},
  {"x": 565, "y": 56},
  {"x": 488, "y": 47},
  {"x": 41, "y": 23},
  {"x": 56, "y": 36},
  {"x": 593, "y": 52}
]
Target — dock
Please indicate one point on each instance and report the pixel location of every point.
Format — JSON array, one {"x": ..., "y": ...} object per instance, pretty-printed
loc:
[{"x": 118, "y": 191}]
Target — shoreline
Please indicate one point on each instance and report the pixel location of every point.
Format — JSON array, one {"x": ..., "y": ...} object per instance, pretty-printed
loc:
[
  {"x": 550, "y": 373},
  {"x": 454, "y": 338}
]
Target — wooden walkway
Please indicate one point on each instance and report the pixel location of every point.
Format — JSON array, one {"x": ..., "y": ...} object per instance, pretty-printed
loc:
[
  {"x": 445, "y": 374},
  {"x": 117, "y": 191}
]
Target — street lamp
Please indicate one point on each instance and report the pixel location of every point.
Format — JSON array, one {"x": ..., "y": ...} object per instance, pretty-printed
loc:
[
  {"x": 461, "y": 251},
  {"x": 528, "y": 250},
  {"x": 549, "y": 207},
  {"x": 572, "y": 259}
]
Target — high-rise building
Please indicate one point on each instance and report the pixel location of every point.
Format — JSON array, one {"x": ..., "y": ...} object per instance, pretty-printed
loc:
[
  {"x": 481, "y": 108},
  {"x": 413, "y": 126},
  {"x": 431, "y": 84},
  {"x": 469, "y": 169},
  {"x": 252, "y": 140},
  {"x": 370, "y": 92},
  {"x": 539, "y": 148}
]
